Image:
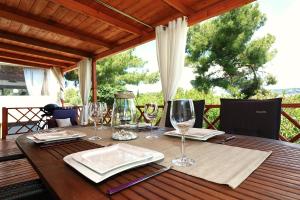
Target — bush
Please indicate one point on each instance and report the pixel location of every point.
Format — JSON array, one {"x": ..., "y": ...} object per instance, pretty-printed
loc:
[{"x": 72, "y": 97}]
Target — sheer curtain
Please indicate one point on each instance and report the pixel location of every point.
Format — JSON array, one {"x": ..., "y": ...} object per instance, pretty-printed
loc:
[
  {"x": 34, "y": 79},
  {"x": 46, "y": 89},
  {"x": 85, "y": 85},
  {"x": 170, "y": 49},
  {"x": 61, "y": 82}
]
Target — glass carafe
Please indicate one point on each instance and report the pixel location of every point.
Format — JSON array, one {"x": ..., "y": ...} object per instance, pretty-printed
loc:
[{"x": 124, "y": 116}]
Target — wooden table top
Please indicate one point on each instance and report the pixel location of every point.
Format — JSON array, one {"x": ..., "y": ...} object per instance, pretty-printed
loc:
[{"x": 277, "y": 178}]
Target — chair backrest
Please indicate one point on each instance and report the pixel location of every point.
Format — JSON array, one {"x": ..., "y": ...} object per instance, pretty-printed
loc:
[
  {"x": 199, "y": 109},
  {"x": 63, "y": 113},
  {"x": 260, "y": 118}
]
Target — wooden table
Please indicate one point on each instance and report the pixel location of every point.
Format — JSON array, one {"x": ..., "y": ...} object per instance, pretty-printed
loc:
[{"x": 277, "y": 178}]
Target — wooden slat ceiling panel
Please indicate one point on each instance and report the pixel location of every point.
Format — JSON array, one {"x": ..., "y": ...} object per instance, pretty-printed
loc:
[
  {"x": 130, "y": 5},
  {"x": 146, "y": 11},
  {"x": 73, "y": 29},
  {"x": 24, "y": 30},
  {"x": 38, "y": 48}
]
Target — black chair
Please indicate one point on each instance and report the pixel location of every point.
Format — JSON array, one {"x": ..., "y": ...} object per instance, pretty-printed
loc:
[
  {"x": 63, "y": 113},
  {"x": 260, "y": 118},
  {"x": 29, "y": 190},
  {"x": 199, "y": 109}
]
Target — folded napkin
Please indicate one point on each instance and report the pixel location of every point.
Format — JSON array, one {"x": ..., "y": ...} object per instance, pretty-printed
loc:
[
  {"x": 56, "y": 136},
  {"x": 197, "y": 133}
]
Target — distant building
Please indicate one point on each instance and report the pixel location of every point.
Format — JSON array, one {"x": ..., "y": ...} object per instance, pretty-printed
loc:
[{"x": 12, "y": 81}]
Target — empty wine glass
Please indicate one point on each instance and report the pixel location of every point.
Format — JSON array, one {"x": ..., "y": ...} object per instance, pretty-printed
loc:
[
  {"x": 150, "y": 113},
  {"x": 104, "y": 111},
  {"x": 95, "y": 114},
  {"x": 182, "y": 117}
]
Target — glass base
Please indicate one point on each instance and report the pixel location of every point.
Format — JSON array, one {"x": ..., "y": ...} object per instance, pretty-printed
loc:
[
  {"x": 102, "y": 128},
  {"x": 183, "y": 162},
  {"x": 151, "y": 137},
  {"x": 93, "y": 138}
]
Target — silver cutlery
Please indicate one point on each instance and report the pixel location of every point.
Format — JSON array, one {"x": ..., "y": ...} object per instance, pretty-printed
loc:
[
  {"x": 121, "y": 187},
  {"x": 226, "y": 140}
]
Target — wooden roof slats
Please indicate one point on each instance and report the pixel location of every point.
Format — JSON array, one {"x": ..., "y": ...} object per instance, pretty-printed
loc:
[
  {"x": 65, "y": 31},
  {"x": 216, "y": 9},
  {"x": 28, "y": 51},
  {"x": 30, "y": 20},
  {"x": 51, "y": 63},
  {"x": 24, "y": 63},
  {"x": 43, "y": 44},
  {"x": 209, "y": 11},
  {"x": 100, "y": 15},
  {"x": 178, "y": 5}
]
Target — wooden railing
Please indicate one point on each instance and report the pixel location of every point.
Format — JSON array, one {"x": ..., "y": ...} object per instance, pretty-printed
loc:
[{"x": 22, "y": 120}]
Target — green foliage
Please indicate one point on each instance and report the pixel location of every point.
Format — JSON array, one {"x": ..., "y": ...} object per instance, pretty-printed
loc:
[
  {"x": 72, "y": 97},
  {"x": 106, "y": 93},
  {"x": 224, "y": 54},
  {"x": 114, "y": 72}
]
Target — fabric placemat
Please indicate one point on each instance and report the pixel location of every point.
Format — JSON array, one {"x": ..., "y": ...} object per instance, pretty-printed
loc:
[{"x": 217, "y": 163}]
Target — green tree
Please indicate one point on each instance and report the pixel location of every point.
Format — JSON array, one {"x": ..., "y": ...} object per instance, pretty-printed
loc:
[
  {"x": 114, "y": 72},
  {"x": 72, "y": 97},
  {"x": 224, "y": 53}
]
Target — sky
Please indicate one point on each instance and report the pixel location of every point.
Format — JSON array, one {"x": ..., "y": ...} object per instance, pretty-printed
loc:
[{"x": 283, "y": 18}]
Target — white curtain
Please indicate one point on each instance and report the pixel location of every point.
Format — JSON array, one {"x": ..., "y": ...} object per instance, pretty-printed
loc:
[
  {"x": 61, "y": 82},
  {"x": 85, "y": 84},
  {"x": 170, "y": 49},
  {"x": 47, "y": 83},
  {"x": 34, "y": 79}
]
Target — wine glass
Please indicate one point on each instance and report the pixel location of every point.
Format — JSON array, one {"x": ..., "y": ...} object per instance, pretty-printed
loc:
[
  {"x": 182, "y": 117},
  {"x": 150, "y": 113},
  {"x": 104, "y": 111},
  {"x": 95, "y": 115}
]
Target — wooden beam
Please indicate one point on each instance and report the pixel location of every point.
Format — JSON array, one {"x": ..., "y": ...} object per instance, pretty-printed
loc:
[
  {"x": 179, "y": 6},
  {"x": 43, "y": 44},
  {"x": 28, "y": 51},
  {"x": 127, "y": 45},
  {"x": 24, "y": 63},
  {"x": 100, "y": 15},
  {"x": 216, "y": 9},
  {"x": 33, "y": 59},
  {"x": 205, "y": 13},
  {"x": 30, "y": 20},
  {"x": 94, "y": 80}
]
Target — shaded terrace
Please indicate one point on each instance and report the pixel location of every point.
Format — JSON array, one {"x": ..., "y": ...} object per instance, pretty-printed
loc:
[{"x": 61, "y": 33}]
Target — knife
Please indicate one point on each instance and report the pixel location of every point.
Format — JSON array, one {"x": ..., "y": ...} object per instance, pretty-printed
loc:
[
  {"x": 121, "y": 187},
  {"x": 226, "y": 140}
]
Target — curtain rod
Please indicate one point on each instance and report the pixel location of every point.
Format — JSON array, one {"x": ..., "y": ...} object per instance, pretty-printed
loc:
[{"x": 122, "y": 13}]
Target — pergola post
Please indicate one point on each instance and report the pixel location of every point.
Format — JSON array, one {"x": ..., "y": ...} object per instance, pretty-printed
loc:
[{"x": 94, "y": 80}]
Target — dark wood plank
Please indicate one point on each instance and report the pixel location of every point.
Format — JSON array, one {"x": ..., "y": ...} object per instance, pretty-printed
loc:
[
  {"x": 16, "y": 171},
  {"x": 9, "y": 150}
]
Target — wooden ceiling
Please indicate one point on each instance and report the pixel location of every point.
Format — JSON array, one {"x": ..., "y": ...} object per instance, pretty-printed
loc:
[{"x": 46, "y": 33}]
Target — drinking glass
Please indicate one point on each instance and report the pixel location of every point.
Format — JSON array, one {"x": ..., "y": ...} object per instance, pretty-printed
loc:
[
  {"x": 182, "y": 117},
  {"x": 104, "y": 111},
  {"x": 150, "y": 113},
  {"x": 95, "y": 115}
]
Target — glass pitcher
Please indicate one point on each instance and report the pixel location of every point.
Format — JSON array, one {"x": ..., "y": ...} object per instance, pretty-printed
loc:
[{"x": 124, "y": 116}]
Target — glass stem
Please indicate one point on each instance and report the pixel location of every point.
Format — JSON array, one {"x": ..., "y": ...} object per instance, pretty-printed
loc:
[
  {"x": 101, "y": 123},
  {"x": 95, "y": 126},
  {"x": 151, "y": 127},
  {"x": 182, "y": 146}
]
